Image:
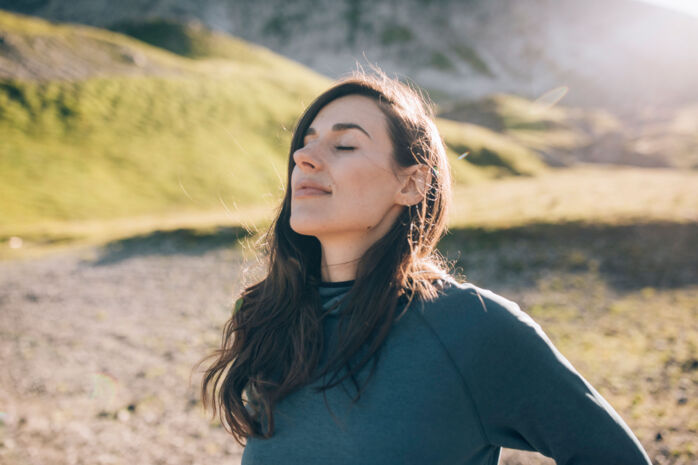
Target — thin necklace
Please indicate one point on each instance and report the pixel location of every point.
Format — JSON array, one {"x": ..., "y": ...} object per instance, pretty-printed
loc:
[{"x": 341, "y": 263}]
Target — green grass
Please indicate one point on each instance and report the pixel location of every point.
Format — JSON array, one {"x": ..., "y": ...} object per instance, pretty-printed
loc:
[
  {"x": 585, "y": 194},
  {"x": 211, "y": 130},
  {"x": 109, "y": 147},
  {"x": 184, "y": 132},
  {"x": 180, "y": 139},
  {"x": 194, "y": 40},
  {"x": 496, "y": 153},
  {"x": 506, "y": 113},
  {"x": 540, "y": 126},
  {"x": 564, "y": 135},
  {"x": 131, "y": 145}
]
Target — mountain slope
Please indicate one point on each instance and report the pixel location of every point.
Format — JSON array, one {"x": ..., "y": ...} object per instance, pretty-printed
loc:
[
  {"x": 625, "y": 55},
  {"x": 89, "y": 134}
]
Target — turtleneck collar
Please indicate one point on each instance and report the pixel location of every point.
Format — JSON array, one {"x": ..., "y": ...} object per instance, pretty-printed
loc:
[
  {"x": 337, "y": 283},
  {"x": 331, "y": 294}
]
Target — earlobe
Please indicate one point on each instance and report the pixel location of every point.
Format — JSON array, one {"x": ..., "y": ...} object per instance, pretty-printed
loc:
[{"x": 422, "y": 180}]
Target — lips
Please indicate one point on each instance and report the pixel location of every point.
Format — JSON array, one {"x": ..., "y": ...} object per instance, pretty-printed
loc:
[
  {"x": 307, "y": 187},
  {"x": 303, "y": 191}
]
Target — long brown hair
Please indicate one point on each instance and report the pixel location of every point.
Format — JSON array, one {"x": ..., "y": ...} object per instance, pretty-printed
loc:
[{"x": 272, "y": 343}]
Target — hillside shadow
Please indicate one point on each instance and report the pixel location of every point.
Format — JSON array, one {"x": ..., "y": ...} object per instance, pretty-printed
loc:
[
  {"x": 174, "y": 36},
  {"x": 627, "y": 257},
  {"x": 183, "y": 241}
]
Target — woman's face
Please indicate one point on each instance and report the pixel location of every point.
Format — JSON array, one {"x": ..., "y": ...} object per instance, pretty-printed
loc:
[{"x": 348, "y": 151}]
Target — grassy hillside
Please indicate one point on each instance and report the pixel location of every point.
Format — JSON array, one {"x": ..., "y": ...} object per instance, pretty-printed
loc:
[
  {"x": 563, "y": 136},
  {"x": 194, "y": 40},
  {"x": 495, "y": 154},
  {"x": 132, "y": 145},
  {"x": 106, "y": 126},
  {"x": 178, "y": 137}
]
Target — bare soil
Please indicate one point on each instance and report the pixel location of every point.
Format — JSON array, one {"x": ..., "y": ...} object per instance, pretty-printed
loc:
[{"x": 98, "y": 346}]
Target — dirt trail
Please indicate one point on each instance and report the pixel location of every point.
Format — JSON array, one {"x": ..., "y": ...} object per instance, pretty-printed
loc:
[{"x": 97, "y": 348}]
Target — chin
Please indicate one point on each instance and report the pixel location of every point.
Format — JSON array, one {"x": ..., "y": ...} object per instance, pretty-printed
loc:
[{"x": 303, "y": 228}]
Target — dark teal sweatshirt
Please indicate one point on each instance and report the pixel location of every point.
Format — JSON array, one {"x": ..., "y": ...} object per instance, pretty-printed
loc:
[{"x": 458, "y": 378}]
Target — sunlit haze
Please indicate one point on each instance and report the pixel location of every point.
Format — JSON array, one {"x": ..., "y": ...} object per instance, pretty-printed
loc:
[{"x": 684, "y": 6}]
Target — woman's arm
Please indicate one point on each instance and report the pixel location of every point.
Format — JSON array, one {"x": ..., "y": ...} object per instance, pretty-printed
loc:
[{"x": 530, "y": 397}]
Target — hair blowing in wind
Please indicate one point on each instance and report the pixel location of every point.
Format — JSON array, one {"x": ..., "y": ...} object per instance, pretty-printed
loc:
[{"x": 272, "y": 343}]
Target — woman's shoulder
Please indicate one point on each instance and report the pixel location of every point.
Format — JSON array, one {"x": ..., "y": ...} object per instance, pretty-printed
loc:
[
  {"x": 469, "y": 297},
  {"x": 464, "y": 307},
  {"x": 475, "y": 324}
]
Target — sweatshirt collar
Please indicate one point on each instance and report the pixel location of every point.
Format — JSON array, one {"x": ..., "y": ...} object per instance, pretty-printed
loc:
[{"x": 332, "y": 293}]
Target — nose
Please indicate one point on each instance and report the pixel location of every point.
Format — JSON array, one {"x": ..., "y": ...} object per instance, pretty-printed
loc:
[{"x": 307, "y": 157}]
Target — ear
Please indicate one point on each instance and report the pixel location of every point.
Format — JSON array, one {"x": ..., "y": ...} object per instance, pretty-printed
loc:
[{"x": 414, "y": 185}]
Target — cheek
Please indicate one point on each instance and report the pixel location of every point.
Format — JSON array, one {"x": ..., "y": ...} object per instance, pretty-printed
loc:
[{"x": 367, "y": 187}]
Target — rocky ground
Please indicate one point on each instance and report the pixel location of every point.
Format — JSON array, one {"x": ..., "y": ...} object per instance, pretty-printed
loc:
[{"x": 98, "y": 348}]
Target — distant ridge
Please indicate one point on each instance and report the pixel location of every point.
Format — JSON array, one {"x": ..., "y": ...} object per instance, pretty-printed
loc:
[{"x": 627, "y": 56}]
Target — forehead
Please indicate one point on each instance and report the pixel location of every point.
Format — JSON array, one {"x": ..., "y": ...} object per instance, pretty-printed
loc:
[{"x": 357, "y": 109}]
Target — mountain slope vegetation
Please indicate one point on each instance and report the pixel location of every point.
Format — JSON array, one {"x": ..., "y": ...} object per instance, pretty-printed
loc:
[{"x": 88, "y": 133}]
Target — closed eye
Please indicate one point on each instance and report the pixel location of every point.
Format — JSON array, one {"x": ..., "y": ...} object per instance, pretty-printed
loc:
[{"x": 344, "y": 147}]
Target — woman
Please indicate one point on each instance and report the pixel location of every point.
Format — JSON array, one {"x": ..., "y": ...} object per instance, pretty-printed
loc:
[{"x": 358, "y": 347}]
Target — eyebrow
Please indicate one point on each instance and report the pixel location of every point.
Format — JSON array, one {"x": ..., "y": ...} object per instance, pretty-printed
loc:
[{"x": 341, "y": 127}]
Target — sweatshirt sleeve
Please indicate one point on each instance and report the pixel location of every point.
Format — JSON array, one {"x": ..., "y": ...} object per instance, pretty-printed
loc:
[{"x": 530, "y": 397}]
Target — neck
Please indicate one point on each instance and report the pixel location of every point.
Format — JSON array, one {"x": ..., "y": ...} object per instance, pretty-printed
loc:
[
  {"x": 340, "y": 260},
  {"x": 341, "y": 253}
]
